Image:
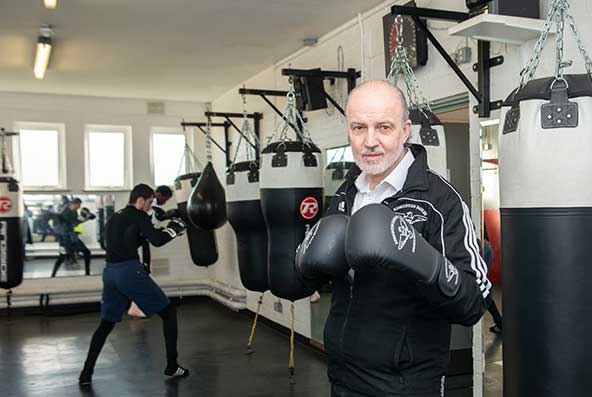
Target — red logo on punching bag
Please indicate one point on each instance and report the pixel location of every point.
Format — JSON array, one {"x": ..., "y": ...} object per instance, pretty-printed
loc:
[
  {"x": 5, "y": 204},
  {"x": 309, "y": 208}
]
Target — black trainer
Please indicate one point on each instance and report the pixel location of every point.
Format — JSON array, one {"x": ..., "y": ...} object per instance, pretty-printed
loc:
[
  {"x": 176, "y": 372},
  {"x": 85, "y": 378}
]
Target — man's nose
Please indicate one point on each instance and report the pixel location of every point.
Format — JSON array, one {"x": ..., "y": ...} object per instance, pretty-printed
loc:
[{"x": 371, "y": 140}]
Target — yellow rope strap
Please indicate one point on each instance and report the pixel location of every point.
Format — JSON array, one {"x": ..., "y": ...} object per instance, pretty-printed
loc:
[
  {"x": 254, "y": 326},
  {"x": 291, "y": 365}
]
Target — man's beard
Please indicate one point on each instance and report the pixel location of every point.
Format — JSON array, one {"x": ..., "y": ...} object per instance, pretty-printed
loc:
[{"x": 380, "y": 166}]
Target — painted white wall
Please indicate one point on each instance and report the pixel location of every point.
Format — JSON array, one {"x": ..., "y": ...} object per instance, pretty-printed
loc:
[{"x": 75, "y": 112}]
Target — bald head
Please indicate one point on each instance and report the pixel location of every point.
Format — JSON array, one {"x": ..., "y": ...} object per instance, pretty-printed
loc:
[{"x": 382, "y": 93}]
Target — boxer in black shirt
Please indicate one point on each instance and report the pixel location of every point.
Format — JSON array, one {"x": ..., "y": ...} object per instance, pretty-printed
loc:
[{"x": 125, "y": 278}]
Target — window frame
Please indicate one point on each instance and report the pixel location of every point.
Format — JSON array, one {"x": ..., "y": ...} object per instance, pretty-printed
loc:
[
  {"x": 17, "y": 155},
  {"x": 126, "y": 130},
  {"x": 163, "y": 131}
]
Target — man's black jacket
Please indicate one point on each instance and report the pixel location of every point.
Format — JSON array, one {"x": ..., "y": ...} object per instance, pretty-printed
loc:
[{"x": 382, "y": 336}]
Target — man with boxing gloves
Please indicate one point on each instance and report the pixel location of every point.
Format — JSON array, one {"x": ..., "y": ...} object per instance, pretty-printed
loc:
[
  {"x": 70, "y": 217},
  {"x": 125, "y": 278},
  {"x": 399, "y": 245}
]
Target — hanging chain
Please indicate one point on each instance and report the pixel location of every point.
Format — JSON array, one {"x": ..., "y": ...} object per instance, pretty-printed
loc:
[
  {"x": 558, "y": 13},
  {"x": 528, "y": 71},
  {"x": 292, "y": 117},
  {"x": 581, "y": 48},
  {"x": 209, "y": 140},
  {"x": 559, "y": 64},
  {"x": 400, "y": 66}
]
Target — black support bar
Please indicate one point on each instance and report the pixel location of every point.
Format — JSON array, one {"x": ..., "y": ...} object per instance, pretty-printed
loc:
[
  {"x": 483, "y": 67},
  {"x": 429, "y": 13},
  {"x": 233, "y": 115},
  {"x": 350, "y": 75},
  {"x": 334, "y": 102},
  {"x": 263, "y": 94},
  {"x": 448, "y": 59},
  {"x": 200, "y": 127},
  {"x": 249, "y": 91}
]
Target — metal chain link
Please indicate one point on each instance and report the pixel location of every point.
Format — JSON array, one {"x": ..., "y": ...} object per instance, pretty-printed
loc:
[
  {"x": 559, "y": 64},
  {"x": 292, "y": 116},
  {"x": 209, "y": 140},
  {"x": 558, "y": 13},
  {"x": 528, "y": 71},
  {"x": 400, "y": 66}
]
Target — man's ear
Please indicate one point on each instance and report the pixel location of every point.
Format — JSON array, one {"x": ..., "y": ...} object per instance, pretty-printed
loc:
[{"x": 406, "y": 131}]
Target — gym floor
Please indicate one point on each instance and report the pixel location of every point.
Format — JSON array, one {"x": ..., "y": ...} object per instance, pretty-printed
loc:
[{"x": 43, "y": 355}]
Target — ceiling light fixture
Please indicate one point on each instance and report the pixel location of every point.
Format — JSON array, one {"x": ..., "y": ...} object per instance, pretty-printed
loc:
[
  {"x": 50, "y": 4},
  {"x": 43, "y": 52}
]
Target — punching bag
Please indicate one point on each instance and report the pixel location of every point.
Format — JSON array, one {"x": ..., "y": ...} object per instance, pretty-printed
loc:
[
  {"x": 427, "y": 130},
  {"x": 246, "y": 218},
  {"x": 291, "y": 199},
  {"x": 546, "y": 221},
  {"x": 12, "y": 249},
  {"x": 206, "y": 206},
  {"x": 334, "y": 177},
  {"x": 202, "y": 243}
]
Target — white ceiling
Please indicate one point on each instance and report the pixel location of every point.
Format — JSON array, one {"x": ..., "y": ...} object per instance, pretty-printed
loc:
[{"x": 159, "y": 49}]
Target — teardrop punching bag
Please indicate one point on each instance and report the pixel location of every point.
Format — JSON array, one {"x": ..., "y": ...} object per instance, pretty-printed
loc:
[
  {"x": 202, "y": 243},
  {"x": 427, "y": 130},
  {"x": 246, "y": 218},
  {"x": 546, "y": 221},
  {"x": 206, "y": 206},
  {"x": 12, "y": 250},
  {"x": 291, "y": 199},
  {"x": 334, "y": 177}
]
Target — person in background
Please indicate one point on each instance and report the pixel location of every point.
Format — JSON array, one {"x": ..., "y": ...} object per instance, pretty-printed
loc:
[
  {"x": 126, "y": 279},
  {"x": 69, "y": 241}
]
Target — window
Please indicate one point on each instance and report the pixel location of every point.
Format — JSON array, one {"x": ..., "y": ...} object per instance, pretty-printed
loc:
[
  {"x": 339, "y": 154},
  {"x": 108, "y": 157},
  {"x": 168, "y": 160},
  {"x": 39, "y": 156}
]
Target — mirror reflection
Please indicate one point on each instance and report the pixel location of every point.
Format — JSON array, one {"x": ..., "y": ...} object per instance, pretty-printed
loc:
[{"x": 62, "y": 235}]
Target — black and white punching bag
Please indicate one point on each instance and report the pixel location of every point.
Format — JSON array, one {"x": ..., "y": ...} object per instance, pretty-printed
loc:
[
  {"x": 291, "y": 199},
  {"x": 427, "y": 130},
  {"x": 244, "y": 213},
  {"x": 545, "y": 143},
  {"x": 334, "y": 177},
  {"x": 12, "y": 248},
  {"x": 202, "y": 243}
]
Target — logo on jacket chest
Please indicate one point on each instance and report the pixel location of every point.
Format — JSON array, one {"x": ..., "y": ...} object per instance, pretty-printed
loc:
[{"x": 411, "y": 212}]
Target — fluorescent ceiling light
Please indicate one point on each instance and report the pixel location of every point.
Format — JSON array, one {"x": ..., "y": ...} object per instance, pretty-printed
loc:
[
  {"x": 51, "y": 4},
  {"x": 43, "y": 52}
]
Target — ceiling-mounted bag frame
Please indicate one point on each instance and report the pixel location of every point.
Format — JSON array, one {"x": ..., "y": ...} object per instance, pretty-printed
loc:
[{"x": 228, "y": 117}]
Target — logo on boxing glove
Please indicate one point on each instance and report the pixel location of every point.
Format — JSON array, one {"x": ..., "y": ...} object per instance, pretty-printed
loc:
[
  {"x": 5, "y": 204},
  {"x": 403, "y": 233},
  {"x": 309, "y": 207}
]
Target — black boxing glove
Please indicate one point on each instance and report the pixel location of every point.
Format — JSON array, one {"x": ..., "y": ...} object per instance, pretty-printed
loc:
[
  {"x": 377, "y": 237},
  {"x": 321, "y": 255},
  {"x": 175, "y": 227}
]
